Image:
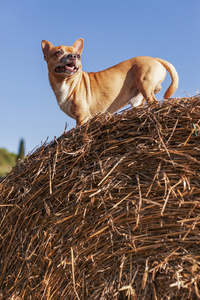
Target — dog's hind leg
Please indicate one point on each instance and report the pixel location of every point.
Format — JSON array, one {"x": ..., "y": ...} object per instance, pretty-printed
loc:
[
  {"x": 146, "y": 89},
  {"x": 137, "y": 100},
  {"x": 158, "y": 88}
]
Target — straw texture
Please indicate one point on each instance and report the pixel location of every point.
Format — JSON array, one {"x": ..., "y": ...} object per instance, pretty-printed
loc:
[{"x": 110, "y": 210}]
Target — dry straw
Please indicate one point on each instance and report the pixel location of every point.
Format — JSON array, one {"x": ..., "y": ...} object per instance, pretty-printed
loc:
[{"x": 110, "y": 210}]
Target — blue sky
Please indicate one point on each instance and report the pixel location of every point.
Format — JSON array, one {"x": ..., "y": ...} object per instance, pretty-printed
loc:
[{"x": 112, "y": 30}]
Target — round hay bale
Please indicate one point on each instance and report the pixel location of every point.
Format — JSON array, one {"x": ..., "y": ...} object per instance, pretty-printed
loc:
[{"x": 110, "y": 210}]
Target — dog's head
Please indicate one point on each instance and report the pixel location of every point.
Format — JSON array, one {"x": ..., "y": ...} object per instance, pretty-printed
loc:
[{"x": 63, "y": 61}]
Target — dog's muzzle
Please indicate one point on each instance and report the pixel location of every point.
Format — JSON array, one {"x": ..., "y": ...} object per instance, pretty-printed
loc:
[{"x": 68, "y": 64}]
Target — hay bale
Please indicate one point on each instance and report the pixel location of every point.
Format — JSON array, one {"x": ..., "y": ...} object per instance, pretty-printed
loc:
[{"x": 110, "y": 210}]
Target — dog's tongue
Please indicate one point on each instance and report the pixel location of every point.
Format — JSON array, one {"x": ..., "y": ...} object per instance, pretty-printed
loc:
[{"x": 71, "y": 69}]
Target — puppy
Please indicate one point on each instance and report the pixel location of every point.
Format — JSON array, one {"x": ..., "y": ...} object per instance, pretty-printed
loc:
[{"x": 83, "y": 95}]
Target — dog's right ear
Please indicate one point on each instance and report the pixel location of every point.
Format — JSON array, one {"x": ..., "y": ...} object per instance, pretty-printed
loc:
[
  {"x": 46, "y": 47},
  {"x": 79, "y": 46}
]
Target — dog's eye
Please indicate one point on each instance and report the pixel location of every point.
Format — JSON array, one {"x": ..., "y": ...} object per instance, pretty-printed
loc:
[
  {"x": 78, "y": 56},
  {"x": 58, "y": 53}
]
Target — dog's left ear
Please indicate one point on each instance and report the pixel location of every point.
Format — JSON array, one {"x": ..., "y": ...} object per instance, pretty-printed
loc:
[
  {"x": 46, "y": 47},
  {"x": 79, "y": 45}
]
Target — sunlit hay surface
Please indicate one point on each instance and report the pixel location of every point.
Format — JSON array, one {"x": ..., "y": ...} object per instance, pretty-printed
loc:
[{"x": 110, "y": 210}]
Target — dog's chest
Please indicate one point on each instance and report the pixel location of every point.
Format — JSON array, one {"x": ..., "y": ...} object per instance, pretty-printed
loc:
[{"x": 62, "y": 92}]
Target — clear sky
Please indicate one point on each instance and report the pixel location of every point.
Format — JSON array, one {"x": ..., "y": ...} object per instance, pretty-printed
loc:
[{"x": 112, "y": 30}]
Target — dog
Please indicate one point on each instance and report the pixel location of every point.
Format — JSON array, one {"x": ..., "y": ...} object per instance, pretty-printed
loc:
[{"x": 84, "y": 95}]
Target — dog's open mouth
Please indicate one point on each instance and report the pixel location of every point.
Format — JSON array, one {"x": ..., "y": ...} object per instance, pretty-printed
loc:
[{"x": 69, "y": 68}]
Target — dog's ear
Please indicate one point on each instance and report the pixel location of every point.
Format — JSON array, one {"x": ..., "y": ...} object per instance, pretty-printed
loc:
[
  {"x": 78, "y": 45},
  {"x": 46, "y": 47}
]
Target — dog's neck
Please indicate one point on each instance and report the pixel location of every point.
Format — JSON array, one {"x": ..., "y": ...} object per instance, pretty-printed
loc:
[{"x": 64, "y": 87}]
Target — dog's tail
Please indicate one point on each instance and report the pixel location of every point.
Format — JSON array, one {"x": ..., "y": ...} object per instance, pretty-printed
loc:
[{"x": 174, "y": 76}]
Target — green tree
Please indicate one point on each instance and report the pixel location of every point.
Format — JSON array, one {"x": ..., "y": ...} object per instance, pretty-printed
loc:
[
  {"x": 21, "y": 153},
  {"x": 7, "y": 161}
]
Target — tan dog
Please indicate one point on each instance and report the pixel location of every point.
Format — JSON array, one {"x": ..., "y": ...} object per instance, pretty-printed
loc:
[{"x": 83, "y": 95}]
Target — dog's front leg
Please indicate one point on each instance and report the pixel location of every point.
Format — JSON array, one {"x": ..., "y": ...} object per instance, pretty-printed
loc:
[
  {"x": 81, "y": 121},
  {"x": 81, "y": 112}
]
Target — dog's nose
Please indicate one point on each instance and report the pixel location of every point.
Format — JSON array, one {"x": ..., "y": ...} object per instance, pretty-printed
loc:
[{"x": 71, "y": 56}]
